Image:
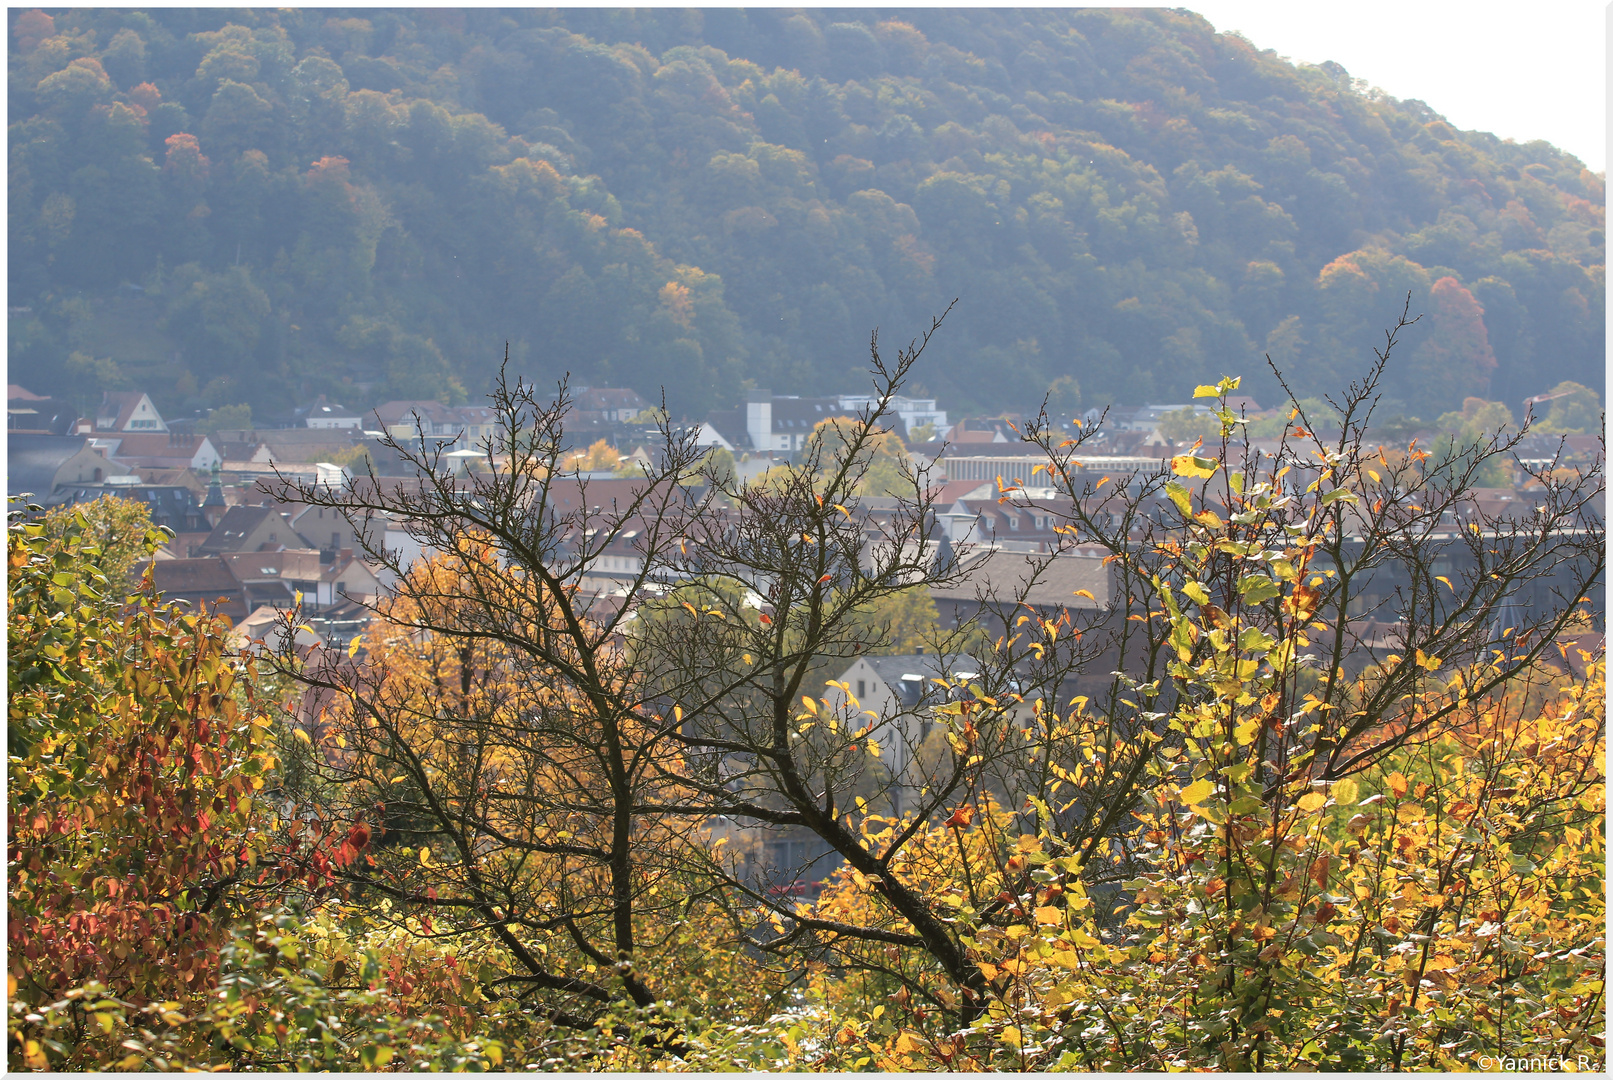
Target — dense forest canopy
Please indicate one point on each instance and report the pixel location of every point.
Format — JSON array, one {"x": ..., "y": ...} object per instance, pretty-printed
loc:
[{"x": 255, "y": 206}]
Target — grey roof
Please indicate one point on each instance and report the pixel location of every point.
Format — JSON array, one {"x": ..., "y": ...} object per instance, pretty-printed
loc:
[
  {"x": 927, "y": 665},
  {"x": 792, "y": 415},
  {"x": 235, "y": 527},
  {"x": 1002, "y": 574},
  {"x": 172, "y": 505},
  {"x": 911, "y": 676},
  {"x": 40, "y": 414},
  {"x": 33, "y": 460}
]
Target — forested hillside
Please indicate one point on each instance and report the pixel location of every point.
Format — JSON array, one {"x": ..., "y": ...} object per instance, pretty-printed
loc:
[{"x": 257, "y": 206}]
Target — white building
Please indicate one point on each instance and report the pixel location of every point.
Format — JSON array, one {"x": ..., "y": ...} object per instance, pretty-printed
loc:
[
  {"x": 915, "y": 412},
  {"x": 897, "y": 696}
]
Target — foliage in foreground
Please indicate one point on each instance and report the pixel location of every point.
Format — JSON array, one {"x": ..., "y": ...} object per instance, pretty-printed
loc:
[{"x": 493, "y": 839}]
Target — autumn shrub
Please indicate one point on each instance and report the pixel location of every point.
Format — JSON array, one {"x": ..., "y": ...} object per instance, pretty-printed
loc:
[
  {"x": 146, "y": 870},
  {"x": 137, "y": 752}
]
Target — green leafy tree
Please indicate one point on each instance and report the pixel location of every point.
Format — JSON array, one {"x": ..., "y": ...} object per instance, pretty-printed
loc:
[
  {"x": 906, "y": 621},
  {"x": 1577, "y": 412},
  {"x": 108, "y": 534},
  {"x": 1478, "y": 422},
  {"x": 227, "y": 418},
  {"x": 1187, "y": 425}
]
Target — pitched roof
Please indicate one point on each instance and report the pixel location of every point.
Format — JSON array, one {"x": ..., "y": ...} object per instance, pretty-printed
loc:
[
  {"x": 295, "y": 564},
  {"x": 925, "y": 665},
  {"x": 171, "y": 505},
  {"x": 17, "y": 393},
  {"x": 324, "y": 409},
  {"x": 1001, "y": 575},
  {"x": 40, "y": 415},
  {"x": 154, "y": 446},
  {"x": 236, "y": 526},
  {"x": 400, "y": 412},
  {"x": 32, "y": 461},
  {"x": 803, "y": 414},
  {"x": 119, "y": 407},
  {"x": 911, "y": 676},
  {"x": 602, "y": 398},
  {"x": 730, "y": 424},
  {"x": 208, "y": 576}
]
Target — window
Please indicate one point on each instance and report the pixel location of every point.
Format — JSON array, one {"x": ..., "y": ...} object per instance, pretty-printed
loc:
[{"x": 862, "y": 688}]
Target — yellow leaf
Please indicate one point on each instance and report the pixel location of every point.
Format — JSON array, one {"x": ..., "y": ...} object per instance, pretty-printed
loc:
[
  {"x": 873, "y": 747},
  {"x": 1312, "y": 801},
  {"x": 1085, "y": 593},
  {"x": 304, "y": 736},
  {"x": 425, "y": 856},
  {"x": 1446, "y": 580},
  {"x": 1345, "y": 791},
  {"x": 811, "y": 706},
  {"x": 1374, "y": 474},
  {"x": 1049, "y": 916},
  {"x": 1197, "y": 792},
  {"x": 1188, "y": 465},
  {"x": 1205, "y": 390},
  {"x": 352, "y": 646},
  {"x": 1398, "y": 784}
]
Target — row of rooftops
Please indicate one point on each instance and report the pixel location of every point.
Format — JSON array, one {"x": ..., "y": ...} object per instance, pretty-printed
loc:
[{"x": 128, "y": 428}]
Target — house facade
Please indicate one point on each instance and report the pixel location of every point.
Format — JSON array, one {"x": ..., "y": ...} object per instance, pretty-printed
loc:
[
  {"x": 39, "y": 464},
  {"x": 895, "y": 696},
  {"x": 128, "y": 410}
]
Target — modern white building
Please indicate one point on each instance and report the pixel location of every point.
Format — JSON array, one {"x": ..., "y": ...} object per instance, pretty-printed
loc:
[{"x": 915, "y": 412}]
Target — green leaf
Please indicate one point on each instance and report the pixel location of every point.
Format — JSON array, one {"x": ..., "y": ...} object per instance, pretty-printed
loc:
[
  {"x": 1258, "y": 588},
  {"x": 1195, "y": 592},
  {"x": 1179, "y": 496},
  {"x": 1253, "y": 639}
]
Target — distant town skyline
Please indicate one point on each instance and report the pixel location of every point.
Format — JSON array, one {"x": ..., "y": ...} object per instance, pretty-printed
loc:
[{"x": 1522, "y": 73}]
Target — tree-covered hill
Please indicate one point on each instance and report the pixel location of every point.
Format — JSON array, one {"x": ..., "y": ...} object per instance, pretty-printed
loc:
[{"x": 257, "y": 206}]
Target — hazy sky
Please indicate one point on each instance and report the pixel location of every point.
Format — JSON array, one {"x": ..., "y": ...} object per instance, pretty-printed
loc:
[{"x": 1522, "y": 71}]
